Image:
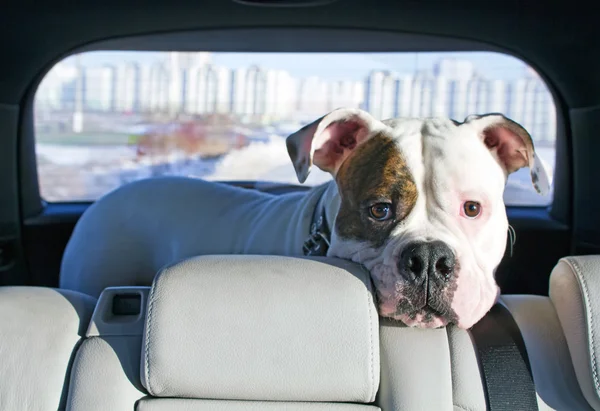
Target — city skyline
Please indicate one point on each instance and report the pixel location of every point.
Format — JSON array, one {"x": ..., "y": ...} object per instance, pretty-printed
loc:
[
  {"x": 194, "y": 84},
  {"x": 327, "y": 65}
]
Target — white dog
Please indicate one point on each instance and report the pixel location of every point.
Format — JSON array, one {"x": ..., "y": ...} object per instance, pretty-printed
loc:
[
  {"x": 418, "y": 202},
  {"x": 420, "y": 205}
]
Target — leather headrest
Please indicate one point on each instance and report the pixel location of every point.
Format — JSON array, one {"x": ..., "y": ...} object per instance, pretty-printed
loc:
[
  {"x": 262, "y": 328},
  {"x": 575, "y": 293}
]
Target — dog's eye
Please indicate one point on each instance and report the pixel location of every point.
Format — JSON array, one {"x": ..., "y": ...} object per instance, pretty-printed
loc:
[
  {"x": 381, "y": 211},
  {"x": 472, "y": 209}
]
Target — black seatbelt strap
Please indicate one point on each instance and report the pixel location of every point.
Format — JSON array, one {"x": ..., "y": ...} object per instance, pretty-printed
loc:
[{"x": 503, "y": 357}]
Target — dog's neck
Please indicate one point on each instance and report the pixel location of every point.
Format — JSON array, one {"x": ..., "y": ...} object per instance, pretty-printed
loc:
[{"x": 329, "y": 204}]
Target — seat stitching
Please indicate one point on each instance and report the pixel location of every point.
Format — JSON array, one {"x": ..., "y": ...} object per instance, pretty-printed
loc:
[
  {"x": 147, "y": 345},
  {"x": 372, "y": 365},
  {"x": 576, "y": 268}
]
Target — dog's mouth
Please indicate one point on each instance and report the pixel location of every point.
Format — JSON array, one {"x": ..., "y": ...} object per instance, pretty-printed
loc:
[
  {"x": 425, "y": 317},
  {"x": 418, "y": 308},
  {"x": 424, "y": 304},
  {"x": 461, "y": 300}
]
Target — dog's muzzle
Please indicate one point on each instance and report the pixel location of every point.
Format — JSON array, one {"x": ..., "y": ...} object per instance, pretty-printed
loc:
[{"x": 428, "y": 267}]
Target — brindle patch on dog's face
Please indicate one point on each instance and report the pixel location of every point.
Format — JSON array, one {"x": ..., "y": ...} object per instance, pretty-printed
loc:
[{"x": 376, "y": 173}]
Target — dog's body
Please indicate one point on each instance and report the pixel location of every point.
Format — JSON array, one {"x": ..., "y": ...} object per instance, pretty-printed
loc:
[{"x": 243, "y": 221}]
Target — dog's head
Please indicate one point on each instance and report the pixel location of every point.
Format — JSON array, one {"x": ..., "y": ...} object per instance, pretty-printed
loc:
[{"x": 421, "y": 205}]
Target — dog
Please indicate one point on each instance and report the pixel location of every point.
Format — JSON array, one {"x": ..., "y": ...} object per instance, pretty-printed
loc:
[
  {"x": 420, "y": 205},
  {"x": 417, "y": 202}
]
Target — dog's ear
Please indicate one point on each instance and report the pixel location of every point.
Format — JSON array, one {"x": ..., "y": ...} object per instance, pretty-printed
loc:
[
  {"x": 512, "y": 147},
  {"x": 328, "y": 141}
]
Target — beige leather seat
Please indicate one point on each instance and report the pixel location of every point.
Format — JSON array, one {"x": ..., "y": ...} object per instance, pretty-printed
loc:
[
  {"x": 249, "y": 332},
  {"x": 575, "y": 293},
  {"x": 239, "y": 333},
  {"x": 40, "y": 330}
]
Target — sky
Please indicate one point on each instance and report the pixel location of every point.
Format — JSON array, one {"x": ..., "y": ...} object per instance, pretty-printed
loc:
[{"x": 339, "y": 66}]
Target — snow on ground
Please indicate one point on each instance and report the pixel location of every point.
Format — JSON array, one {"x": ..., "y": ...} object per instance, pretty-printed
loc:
[
  {"x": 95, "y": 170},
  {"x": 262, "y": 161},
  {"x": 81, "y": 155}
]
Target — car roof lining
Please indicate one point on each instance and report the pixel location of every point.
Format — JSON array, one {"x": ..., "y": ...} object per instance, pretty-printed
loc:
[
  {"x": 543, "y": 37},
  {"x": 286, "y": 39}
]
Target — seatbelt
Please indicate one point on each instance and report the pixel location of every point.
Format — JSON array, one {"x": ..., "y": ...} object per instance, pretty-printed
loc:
[{"x": 503, "y": 357}]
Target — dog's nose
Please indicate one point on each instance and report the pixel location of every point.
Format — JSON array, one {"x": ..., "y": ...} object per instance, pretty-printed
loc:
[{"x": 427, "y": 259}]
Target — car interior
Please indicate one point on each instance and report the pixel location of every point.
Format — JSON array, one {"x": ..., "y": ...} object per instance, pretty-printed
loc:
[{"x": 103, "y": 311}]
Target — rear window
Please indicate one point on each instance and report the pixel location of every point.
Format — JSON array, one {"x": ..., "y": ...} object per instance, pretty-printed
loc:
[{"x": 104, "y": 119}]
